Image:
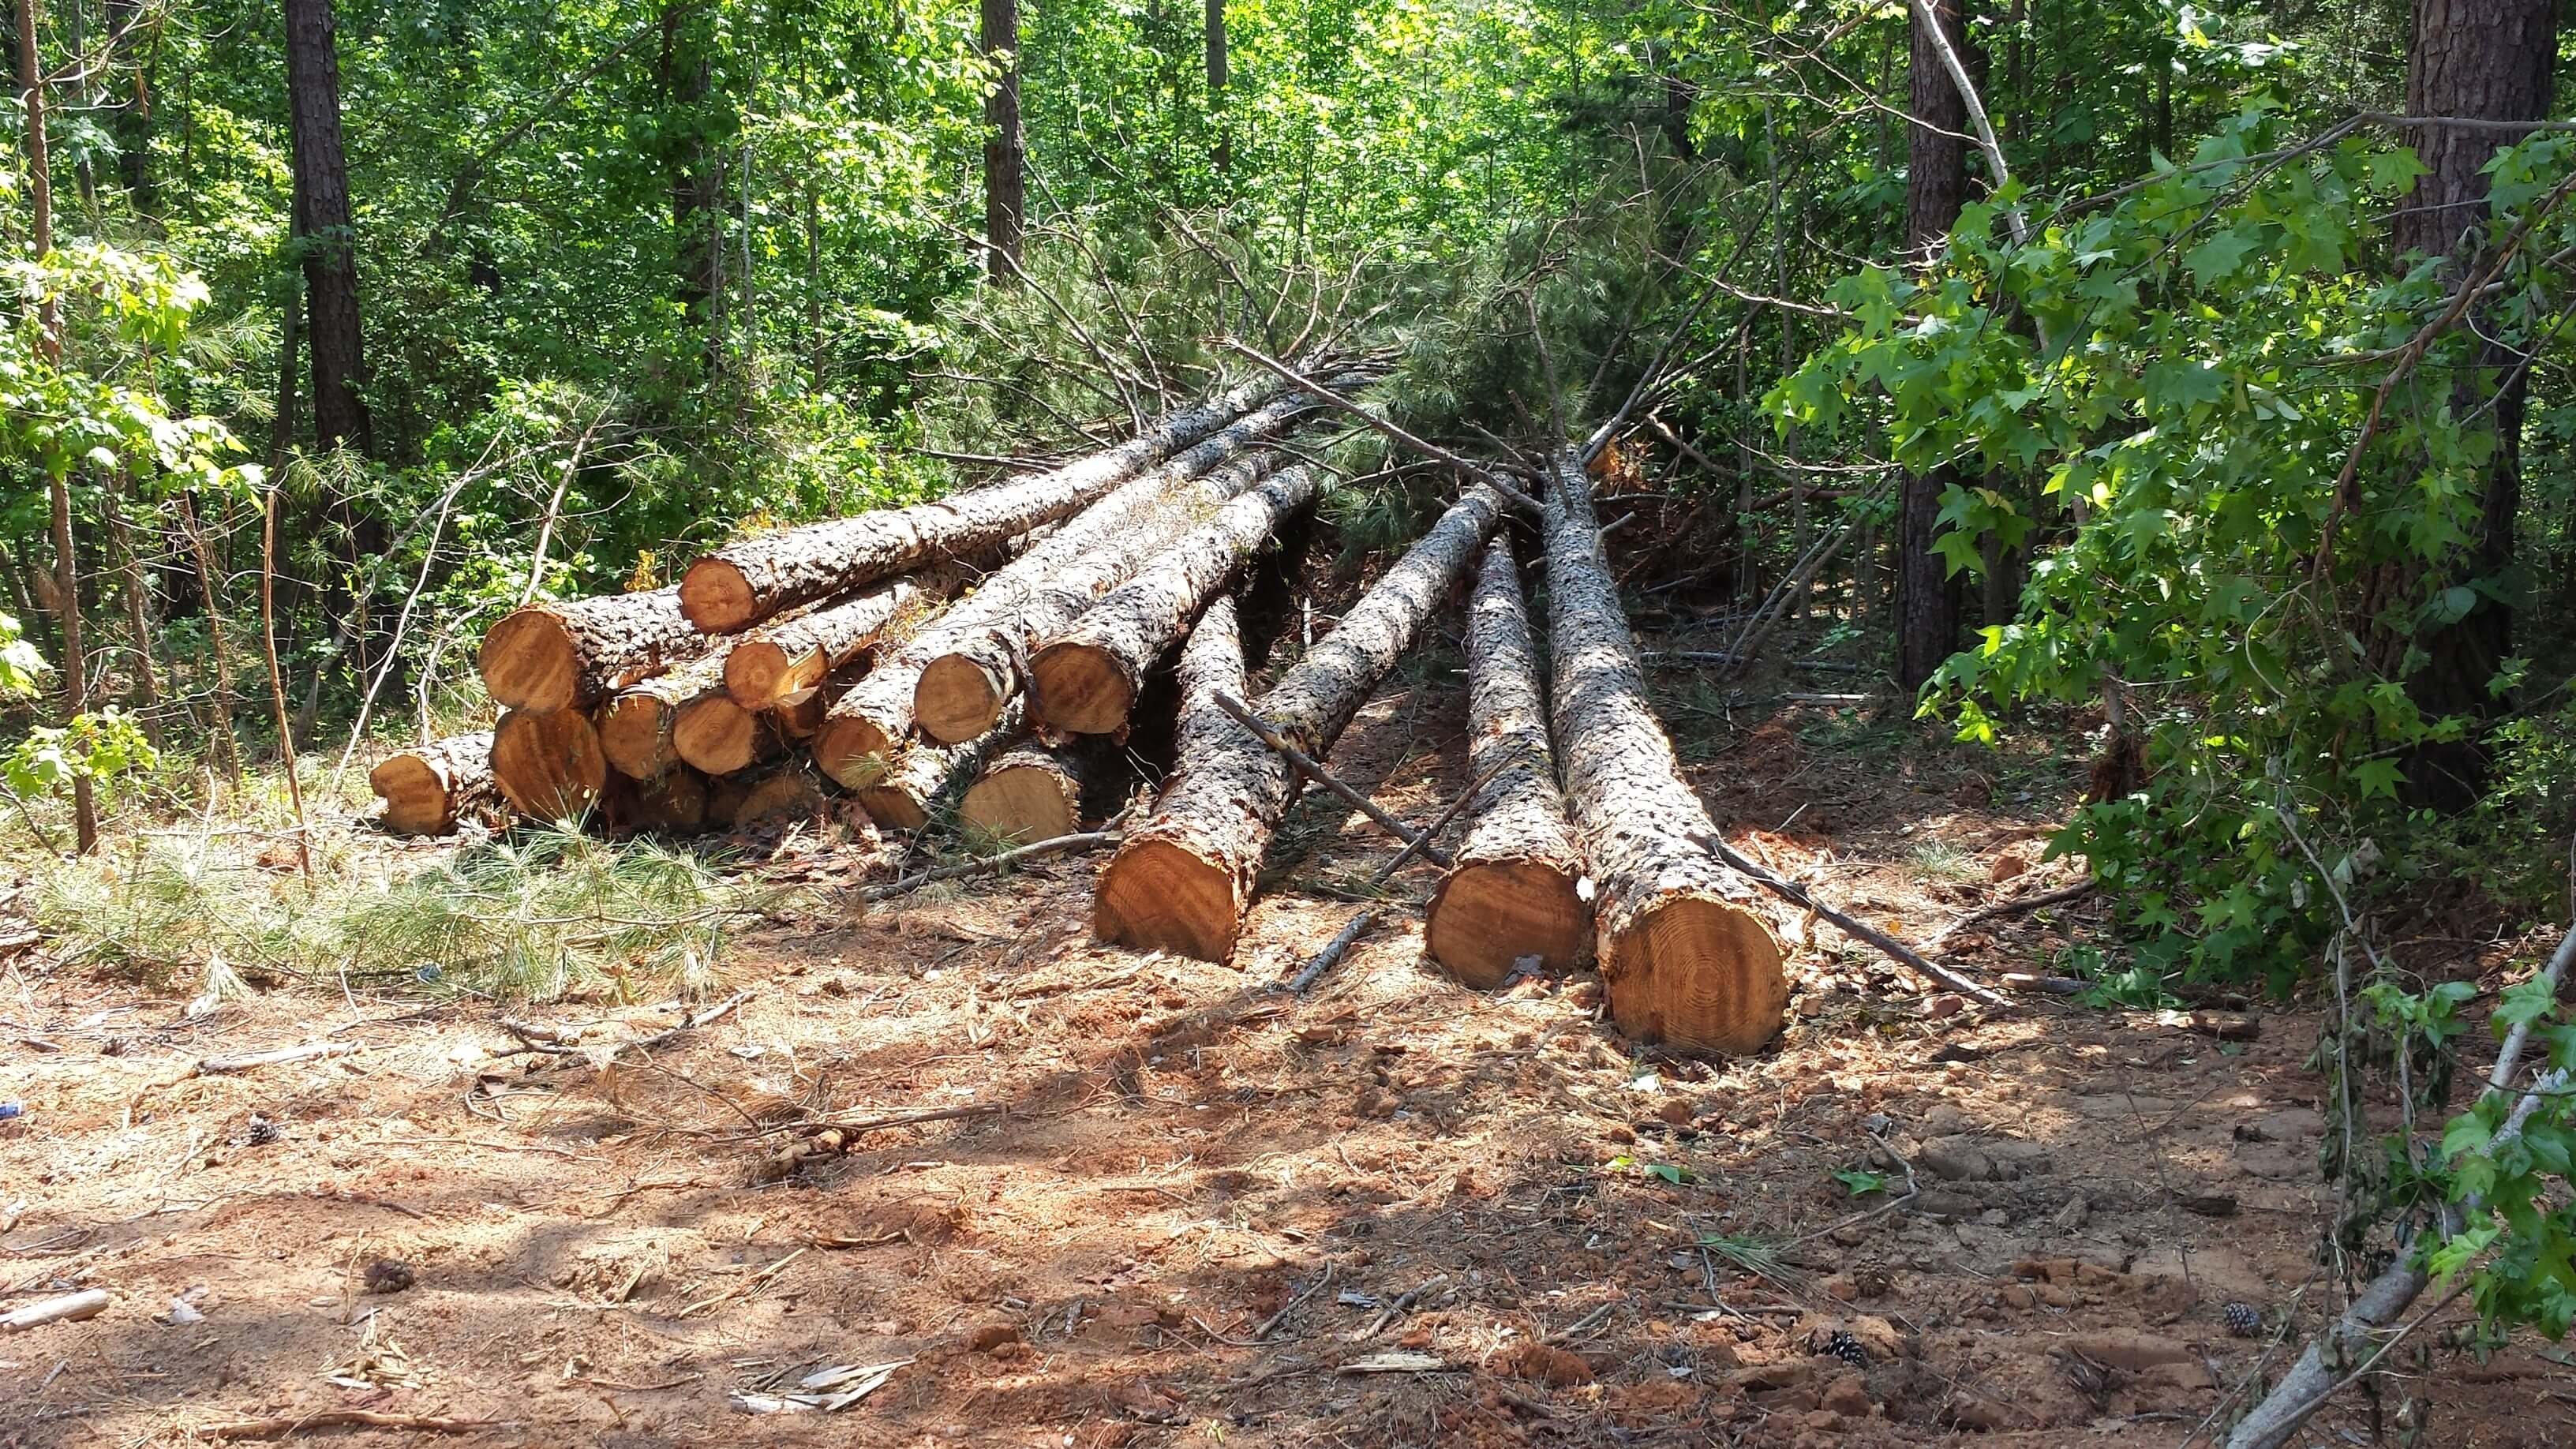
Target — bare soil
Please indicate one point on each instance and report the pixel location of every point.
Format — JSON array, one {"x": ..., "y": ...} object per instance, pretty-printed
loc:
[{"x": 1164, "y": 1206}]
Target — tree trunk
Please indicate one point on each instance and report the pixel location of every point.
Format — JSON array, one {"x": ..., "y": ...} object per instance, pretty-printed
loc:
[
  {"x": 1005, "y": 202},
  {"x": 1928, "y": 600},
  {"x": 962, "y": 690},
  {"x": 1086, "y": 679},
  {"x": 637, "y": 725},
  {"x": 743, "y": 583},
  {"x": 225, "y": 742},
  {"x": 1511, "y": 895},
  {"x": 802, "y": 717},
  {"x": 2487, "y": 60},
  {"x": 572, "y": 654},
  {"x": 868, "y": 727},
  {"x": 1221, "y": 155},
  {"x": 1036, "y": 791},
  {"x": 686, "y": 76},
  {"x": 1183, "y": 879},
  {"x": 547, "y": 763},
  {"x": 672, "y": 803},
  {"x": 427, "y": 790},
  {"x": 904, "y": 796},
  {"x": 138, "y": 614},
  {"x": 787, "y": 791},
  {"x": 1211, "y": 664},
  {"x": 133, "y": 124},
  {"x": 1688, "y": 960},
  {"x": 714, "y": 734},
  {"x": 323, "y": 228},
  {"x": 786, "y": 663}
]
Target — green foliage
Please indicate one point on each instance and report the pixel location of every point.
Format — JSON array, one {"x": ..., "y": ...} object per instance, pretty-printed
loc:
[
  {"x": 22, "y": 669},
  {"x": 104, "y": 747}
]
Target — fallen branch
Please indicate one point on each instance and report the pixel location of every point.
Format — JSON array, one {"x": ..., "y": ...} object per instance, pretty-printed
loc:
[
  {"x": 2014, "y": 907},
  {"x": 226, "y": 1066},
  {"x": 1311, "y": 1289},
  {"x": 1895, "y": 949},
  {"x": 70, "y": 1308},
  {"x": 1306, "y": 765},
  {"x": 1334, "y": 950},
  {"x": 1089, "y": 840},
  {"x": 346, "y": 1419}
]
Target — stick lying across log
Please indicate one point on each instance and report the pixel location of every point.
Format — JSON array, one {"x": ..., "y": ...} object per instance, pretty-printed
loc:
[
  {"x": 573, "y": 654},
  {"x": 1034, "y": 791},
  {"x": 1687, "y": 958},
  {"x": 1512, "y": 893},
  {"x": 743, "y": 583},
  {"x": 1894, "y": 949},
  {"x": 785, "y": 662},
  {"x": 427, "y": 790},
  {"x": 1087, "y": 677},
  {"x": 1183, "y": 879},
  {"x": 547, "y": 763},
  {"x": 1311, "y": 769}
]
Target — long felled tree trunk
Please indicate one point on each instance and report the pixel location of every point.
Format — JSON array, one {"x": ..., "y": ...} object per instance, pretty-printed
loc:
[
  {"x": 1182, "y": 880},
  {"x": 1928, "y": 600},
  {"x": 785, "y": 663},
  {"x": 427, "y": 790},
  {"x": 743, "y": 583},
  {"x": 1086, "y": 679},
  {"x": 1035, "y": 790},
  {"x": 2479, "y": 60},
  {"x": 572, "y": 654},
  {"x": 1688, "y": 959},
  {"x": 1511, "y": 894},
  {"x": 323, "y": 227},
  {"x": 962, "y": 690},
  {"x": 906, "y": 794},
  {"x": 866, "y": 731},
  {"x": 638, "y": 724}
]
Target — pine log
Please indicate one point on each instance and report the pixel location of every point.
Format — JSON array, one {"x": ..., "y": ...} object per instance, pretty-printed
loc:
[
  {"x": 1035, "y": 791},
  {"x": 1686, "y": 954},
  {"x": 962, "y": 691},
  {"x": 743, "y": 583},
  {"x": 427, "y": 790},
  {"x": 785, "y": 663},
  {"x": 863, "y": 732},
  {"x": 1182, "y": 880},
  {"x": 636, "y": 726},
  {"x": 714, "y": 734},
  {"x": 787, "y": 791},
  {"x": 725, "y": 794},
  {"x": 671, "y": 803},
  {"x": 924, "y": 774},
  {"x": 572, "y": 654},
  {"x": 1087, "y": 676},
  {"x": 547, "y": 763},
  {"x": 1511, "y": 894}
]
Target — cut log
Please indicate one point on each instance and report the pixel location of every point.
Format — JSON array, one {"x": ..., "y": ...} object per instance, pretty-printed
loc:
[
  {"x": 785, "y": 663},
  {"x": 861, "y": 734},
  {"x": 924, "y": 774},
  {"x": 787, "y": 792},
  {"x": 1035, "y": 791},
  {"x": 714, "y": 734},
  {"x": 547, "y": 763},
  {"x": 743, "y": 583},
  {"x": 1688, "y": 957},
  {"x": 1086, "y": 677},
  {"x": 1182, "y": 880},
  {"x": 571, "y": 655},
  {"x": 725, "y": 795},
  {"x": 1512, "y": 893},
  {"x": 636, "y": 727},
  {"x": 671, "y": 803},
  {"x": 427, "y": 790}
]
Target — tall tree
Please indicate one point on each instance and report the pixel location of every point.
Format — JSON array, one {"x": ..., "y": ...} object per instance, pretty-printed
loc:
[
  {"x": 2490, "y": 61},
  {"x": 1005, "y": 199},
  {"x": 1936, "y": 187},
  {"x": 686, "y": 77},
  {"x": 1222, "y": 156},
  {"x": 323, "y": 230}
]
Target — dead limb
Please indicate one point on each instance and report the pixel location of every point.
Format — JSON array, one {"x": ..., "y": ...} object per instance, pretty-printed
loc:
[
  {"x": 1088, "y": 840},
  {"x": 1335, "y": 949},
  {"x": 1306, "y": 765},
  {"x": 2014, "y": 907},
  {"x": 70, "y": 1308},
  {"x": 1895, "y": 949},
  {"x": 226, "y": 1066},
  {"x": 346, "y": 1419}
]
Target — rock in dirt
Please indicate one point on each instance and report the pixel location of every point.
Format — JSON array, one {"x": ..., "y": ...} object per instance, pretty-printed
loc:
[
  {"x": 2126, "y": 1349},
  {"x": 1541, "y": 1363},
  {"x": 390, "y": 1275},
  {"x": 2291, "y": 1124},
  {"x": 1962, "y": 1158},
  {"x": 1848, "y": 1395}
]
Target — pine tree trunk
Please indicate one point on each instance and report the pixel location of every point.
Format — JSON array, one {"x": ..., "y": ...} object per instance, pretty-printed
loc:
[
  {"x": 1183, "y": 878},
  {"x": 1005, "y": 201},
  {"x": 904, "y": 797},
  {"x": 1688, "y": 959},
  {"x": 572, "y": 654},
  {"x": 427, "y": 790},
  {"x": 1511, "y": 895},
  {"x": 866, "y": 731},
  {"x": 801, "y": 719},
  {"x": 686, "y": 77},
  {"x": 743, "y": 583},
  {"x": 637, "y": 724},
  {"x": 673, "y": 803},
  {"x": 1036, "y": 791},
  {"x": 1928, "y": 601},
  {"x": 138, "y": 612},
  {"x": 714, "y": 734},
  {"x": 962, "y": 690},
  {"x": 785, "y": 791},
  {"x": 547, "y": 763},
  {"x": 1087, "y": 678},
  {"x": 784, "y": 664},
  {"x": 323, "y": 227}
]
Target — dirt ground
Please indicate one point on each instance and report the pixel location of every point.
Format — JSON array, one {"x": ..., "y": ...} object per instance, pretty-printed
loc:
[{"x": 1159, "y": 1205}]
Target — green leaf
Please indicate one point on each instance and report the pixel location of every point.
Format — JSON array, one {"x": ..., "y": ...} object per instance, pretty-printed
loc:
[
  {"x": 1861, "y": 1183},
  {"x": 2217, "y": 258}
]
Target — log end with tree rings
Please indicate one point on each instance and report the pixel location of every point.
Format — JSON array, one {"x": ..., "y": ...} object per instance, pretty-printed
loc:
[
  {"x": 635, "y": 735},
  {"x": 1080, "y": 689},
  {"x": 894, "y": 807},
  {"x": 959, "y": 696},
  {"x": 758, "y": 674},
  {"x": 547, "y": 763},
  {"x": 529, "y": 661},
  {"x": 852, "y": 751},
  {"x": 1156, "y": 895},
  {"x": 1488, "y": 915},
  {"x": 717, "y": 597},
  {"x": 672, "y": 803},
  {"x": 1694, "y": 972},
  {"x": 785, "y": 793},
  {"x": 1024, "y": 797},
  {"x": 428, "y": 789},
  {"x": 714, "y": 734}
]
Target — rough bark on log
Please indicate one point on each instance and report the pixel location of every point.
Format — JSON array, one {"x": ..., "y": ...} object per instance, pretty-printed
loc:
[
  {"x": 783, "y": 663},
  {"x": 864, "y": 731},
  {"x": 427, "y": 790},
  {"x": 923, "y": 774},
  {"x": 1512, "y": 892},
  {"x": 1035, "y": 791},
  {"x": 800, "y": 719},
  {"x": 743, "y": 583},
  {"x": 1687, "y": 956},
  {"x": 962, "y": 690},
  {"x": 636, "y": 726},
  {"x": 1087, "y": 677},
  {"x": 572, "y": 654},
  {"x": 1182, "y": 880},
  {"x": 547, "y": 763}
]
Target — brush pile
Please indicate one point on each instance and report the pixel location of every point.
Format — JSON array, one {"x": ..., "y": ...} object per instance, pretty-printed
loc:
[{"x": 983, "y": 658}]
